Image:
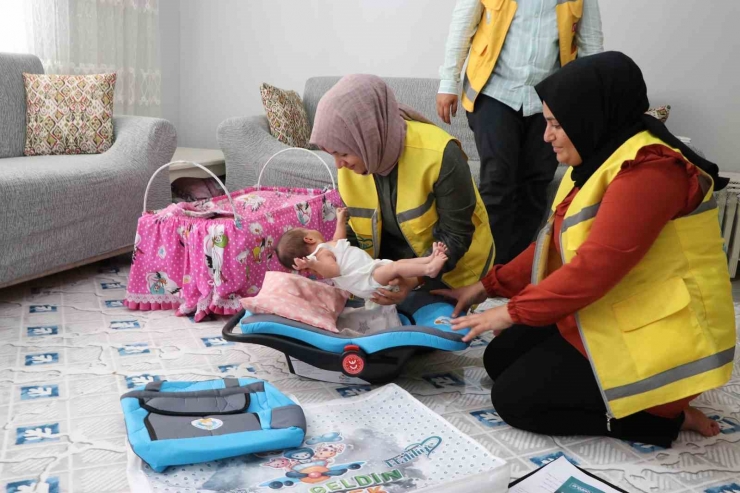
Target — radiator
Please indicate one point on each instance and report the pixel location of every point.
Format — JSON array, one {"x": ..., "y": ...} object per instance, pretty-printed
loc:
[{"x": 729, "y": 220}]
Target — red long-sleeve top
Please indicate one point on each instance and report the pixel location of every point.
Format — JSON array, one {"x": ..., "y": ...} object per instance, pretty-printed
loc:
[{"x": 655, "y": 187}]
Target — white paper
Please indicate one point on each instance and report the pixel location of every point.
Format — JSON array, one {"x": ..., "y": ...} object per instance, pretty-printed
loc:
[{"x": 557, "y": 474}]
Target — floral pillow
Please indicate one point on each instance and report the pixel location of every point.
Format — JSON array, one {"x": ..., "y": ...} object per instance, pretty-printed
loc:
[
  {"x": 660, "y": 112},
  {"x": 298, "y": 298},
  {"x": 286, "y": 115},
  {"x": 69, "y": 114}
]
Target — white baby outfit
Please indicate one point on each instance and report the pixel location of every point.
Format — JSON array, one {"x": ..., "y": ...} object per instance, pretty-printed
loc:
[{"x": 355, "y": 269}]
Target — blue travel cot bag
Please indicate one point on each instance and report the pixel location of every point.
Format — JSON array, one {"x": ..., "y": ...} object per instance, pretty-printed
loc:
[{"x": 175, "y": 423}]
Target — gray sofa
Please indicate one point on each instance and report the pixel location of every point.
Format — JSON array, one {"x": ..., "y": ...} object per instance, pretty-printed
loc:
[
  {"x": 58, "y": 212},
  {"x": 247, "y": 143}
]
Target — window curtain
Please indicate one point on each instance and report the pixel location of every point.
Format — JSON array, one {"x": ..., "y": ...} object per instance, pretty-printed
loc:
[{"x": 102, "y": 36}]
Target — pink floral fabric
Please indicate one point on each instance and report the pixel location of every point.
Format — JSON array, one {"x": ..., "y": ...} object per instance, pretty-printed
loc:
[
  {"x": 199, "y": 258},
  {"x": 300, "y": 299}
]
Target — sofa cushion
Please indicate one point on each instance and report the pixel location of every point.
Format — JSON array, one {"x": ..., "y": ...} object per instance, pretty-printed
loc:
[
  {"x": 286, "y": 116},
  {"x": 69, "y": 114},
  {"x": 13, "y": 101},
  {"x": 75, "y": 206}
]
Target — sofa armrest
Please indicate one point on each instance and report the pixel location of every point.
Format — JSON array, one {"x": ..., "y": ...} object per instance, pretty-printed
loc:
[
  {"x": 247, "y": 145},
  {"x": 144, "y": 144}
]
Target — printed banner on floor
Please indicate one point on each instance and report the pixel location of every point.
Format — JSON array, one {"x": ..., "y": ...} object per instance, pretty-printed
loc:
[{"x": 384, "y": 441}]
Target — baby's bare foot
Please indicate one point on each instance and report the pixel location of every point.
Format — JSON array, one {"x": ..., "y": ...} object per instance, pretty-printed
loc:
[
  {"x": 696, "y": 420},
  {"x": 433, "y": 267},
  {"x": 439, "y": 248}
]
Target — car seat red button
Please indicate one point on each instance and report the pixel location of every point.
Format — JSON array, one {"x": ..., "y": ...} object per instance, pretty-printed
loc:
[{"x": 353, "y": 364}]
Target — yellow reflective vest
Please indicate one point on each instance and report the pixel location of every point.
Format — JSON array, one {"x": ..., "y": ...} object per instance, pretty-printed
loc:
[
  {"x": 491, "y": 34},
  {"x": 667, "y": 330},
  {"x": 416, "y": 211}
]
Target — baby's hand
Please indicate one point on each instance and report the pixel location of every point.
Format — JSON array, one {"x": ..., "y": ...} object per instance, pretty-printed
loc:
[
  {"x": 342, "y": 214},
  {"x": 301, "y": 263}
]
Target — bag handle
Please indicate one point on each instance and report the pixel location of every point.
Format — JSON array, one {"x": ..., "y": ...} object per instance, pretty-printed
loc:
[
  {"x": 237, "y": 219},
  {"x": 259, "y": 179}
]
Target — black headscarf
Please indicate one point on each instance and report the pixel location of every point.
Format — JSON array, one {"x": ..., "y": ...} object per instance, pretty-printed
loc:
[{"x": 600, "y": 101}]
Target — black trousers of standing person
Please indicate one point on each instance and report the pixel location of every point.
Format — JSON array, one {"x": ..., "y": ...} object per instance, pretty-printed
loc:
[
  {"x": 516, "y": 165},
  {"x": 542, "y": 384}
]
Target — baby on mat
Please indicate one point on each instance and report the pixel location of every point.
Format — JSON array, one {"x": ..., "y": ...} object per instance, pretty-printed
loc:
[{"x": 351, "y": 268}]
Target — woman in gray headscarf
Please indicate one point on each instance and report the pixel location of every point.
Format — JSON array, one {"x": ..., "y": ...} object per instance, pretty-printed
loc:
[{"x": 406, "y": 182}]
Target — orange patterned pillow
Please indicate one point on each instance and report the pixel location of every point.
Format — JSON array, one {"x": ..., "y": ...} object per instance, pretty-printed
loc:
[
  {"x": 298, "y": 298},
  {"x": 286, "y": 115},
  {"x": 69, "y": 114},
  {"x": 660, "y": 112}
]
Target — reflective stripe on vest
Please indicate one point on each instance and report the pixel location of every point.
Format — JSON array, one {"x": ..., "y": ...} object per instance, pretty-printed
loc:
[
  {"x": 416, "y": 212},
  {"x": 491, "y": 33},
  {"x": 666, "y": 331}
]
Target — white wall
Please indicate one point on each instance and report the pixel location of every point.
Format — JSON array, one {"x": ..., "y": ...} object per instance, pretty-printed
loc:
[
  {"x": 230, "y": 47},
  {"x": 688, "y": 52}
]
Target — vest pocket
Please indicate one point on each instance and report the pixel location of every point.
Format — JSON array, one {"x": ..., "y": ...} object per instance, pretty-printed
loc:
[
  {"x": 659, "y": 329},
  {"x": 651, "y": 305},
  {"x": 480, "y": 43}
]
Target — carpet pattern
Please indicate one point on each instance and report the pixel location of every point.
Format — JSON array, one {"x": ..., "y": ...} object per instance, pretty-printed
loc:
[{"x": 69, "y": 349}]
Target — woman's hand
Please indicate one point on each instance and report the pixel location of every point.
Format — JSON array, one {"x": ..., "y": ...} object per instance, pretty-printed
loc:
[
  {"x": 388, "y": 297},
  {"x": 495, "y": 319},
  {"x": 465, "y": 297}
]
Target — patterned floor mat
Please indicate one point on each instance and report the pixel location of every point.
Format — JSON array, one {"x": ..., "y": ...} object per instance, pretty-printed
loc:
[{"x": 68, "y": 350}]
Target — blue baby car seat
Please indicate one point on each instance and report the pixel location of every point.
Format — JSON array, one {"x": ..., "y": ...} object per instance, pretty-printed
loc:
[
  {"x": 174, "y": 423},
  {"x": 376, "y": 357}
]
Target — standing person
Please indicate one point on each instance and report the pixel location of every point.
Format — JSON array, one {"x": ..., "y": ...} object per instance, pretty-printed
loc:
[
  {"x": 515, "y": 45},
  {"x": 406, "y": 183}
]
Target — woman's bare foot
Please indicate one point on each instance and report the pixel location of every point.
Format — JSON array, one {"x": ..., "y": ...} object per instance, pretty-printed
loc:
[
  {"x": 697, "y": 421},
  {"x": 436, "y": 264}
]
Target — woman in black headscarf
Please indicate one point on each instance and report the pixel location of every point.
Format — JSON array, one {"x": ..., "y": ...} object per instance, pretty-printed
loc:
[{"x": 622, "y": 311}]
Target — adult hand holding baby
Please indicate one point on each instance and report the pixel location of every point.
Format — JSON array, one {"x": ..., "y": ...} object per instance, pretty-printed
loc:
[{"x": 394, "y": 296}]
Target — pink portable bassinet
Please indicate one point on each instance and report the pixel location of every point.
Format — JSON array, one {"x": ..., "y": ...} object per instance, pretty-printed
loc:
[{"x": 202, "y": 257}]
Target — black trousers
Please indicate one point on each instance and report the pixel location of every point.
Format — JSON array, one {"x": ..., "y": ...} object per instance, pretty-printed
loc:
[
  {"x": 544, "y": 385},
  {"x": 516, "y": 165}
]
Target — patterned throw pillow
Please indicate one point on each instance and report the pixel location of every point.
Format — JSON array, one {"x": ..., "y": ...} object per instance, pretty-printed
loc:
[
  {"x": 69, "y": 114},
  {"x": 660, "y": 112},
  {"x": 286, "y": 116}
]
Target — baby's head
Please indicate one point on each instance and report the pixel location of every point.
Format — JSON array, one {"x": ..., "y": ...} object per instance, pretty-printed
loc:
[{"x": 297, "y": 243}]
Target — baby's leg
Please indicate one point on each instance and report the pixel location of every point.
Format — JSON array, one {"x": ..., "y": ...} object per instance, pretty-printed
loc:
[
  {"x": 416, "y": 260},
  {"x": 409, "y": 268}
]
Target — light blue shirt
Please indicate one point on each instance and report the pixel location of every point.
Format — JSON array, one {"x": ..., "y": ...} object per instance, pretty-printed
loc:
[{"x": 531, "y": 51}]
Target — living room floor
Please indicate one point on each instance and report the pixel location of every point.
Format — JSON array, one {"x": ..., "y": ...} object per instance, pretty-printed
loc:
[{"x": 68, "y": 350}]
